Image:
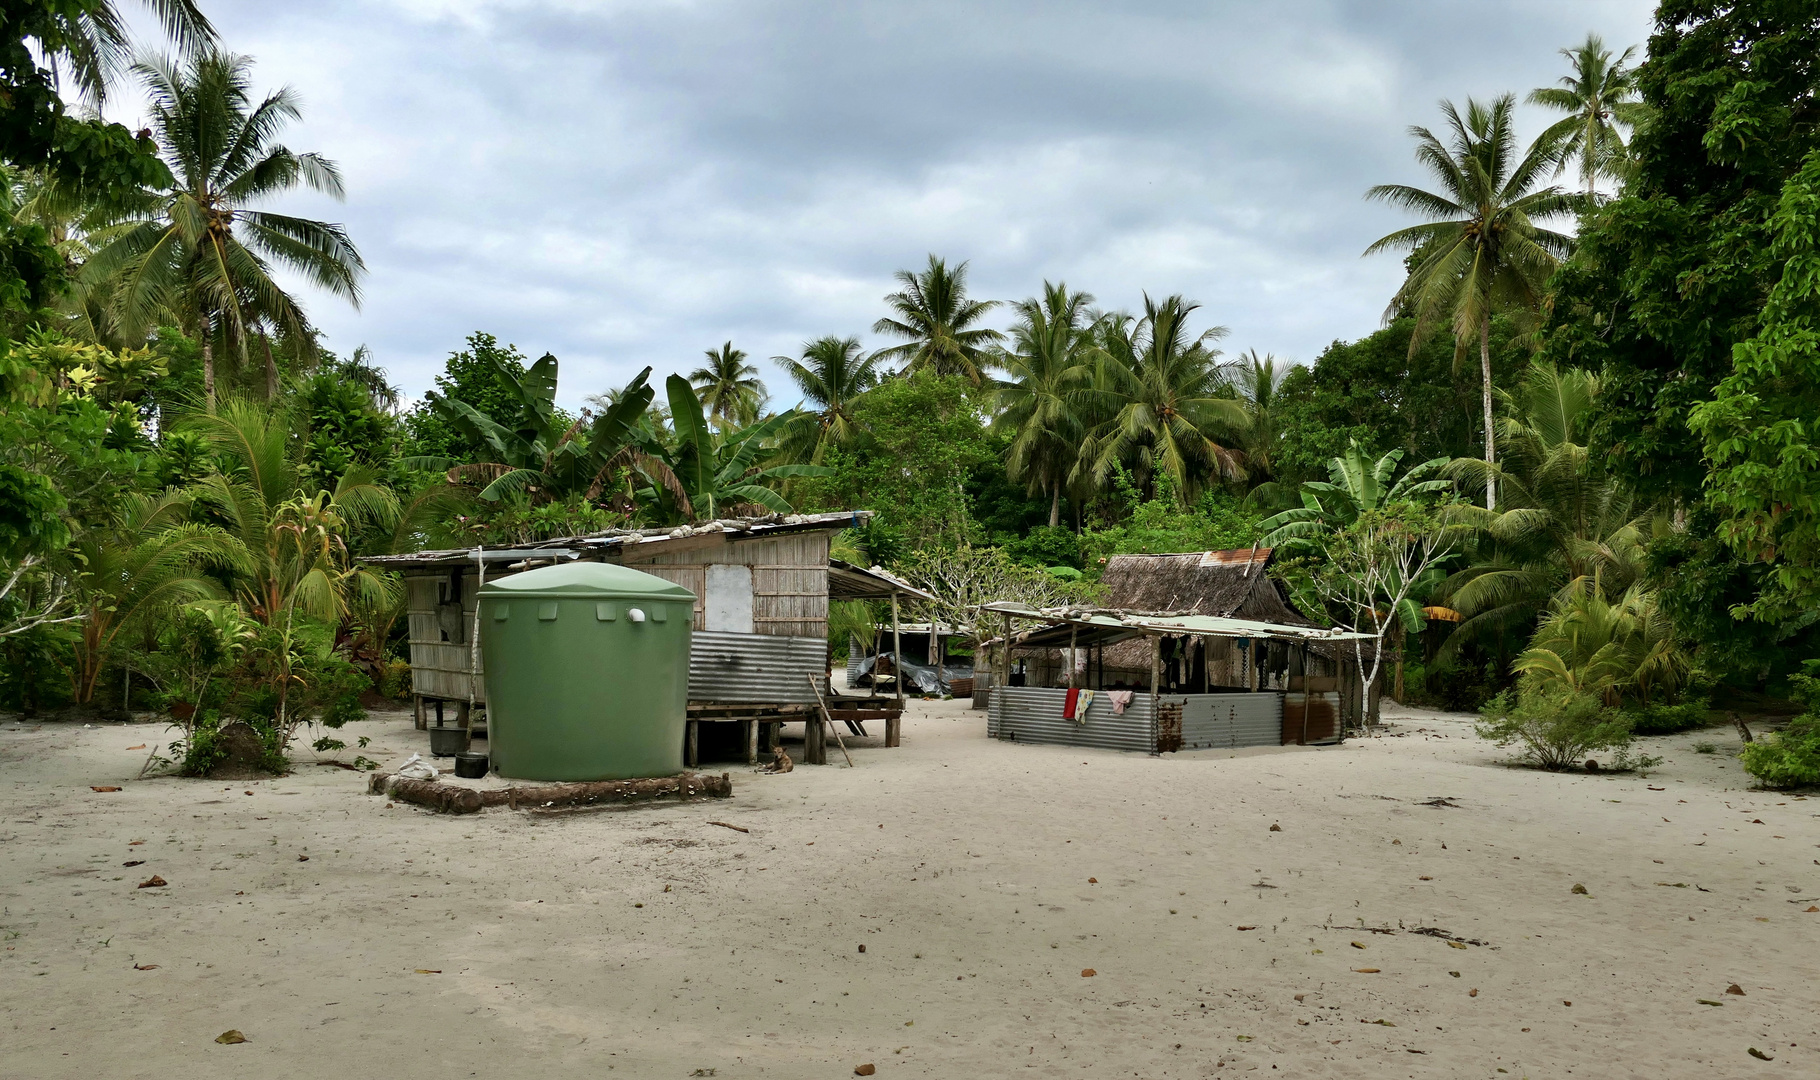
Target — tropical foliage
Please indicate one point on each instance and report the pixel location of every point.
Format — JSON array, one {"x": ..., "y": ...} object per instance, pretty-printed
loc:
[{"x": 1614, "y": 515}]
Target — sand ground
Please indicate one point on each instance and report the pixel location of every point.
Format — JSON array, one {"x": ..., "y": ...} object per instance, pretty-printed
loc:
[{"x": 980, "y": 878}]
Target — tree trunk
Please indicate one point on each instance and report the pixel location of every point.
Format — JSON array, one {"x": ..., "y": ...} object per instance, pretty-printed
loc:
[
  {"x": 271, "y": 370},
  {"x": 208, "y": 370},
  {"x": 1491, "y": 452},
  {"x": 1055, "y": 508}
]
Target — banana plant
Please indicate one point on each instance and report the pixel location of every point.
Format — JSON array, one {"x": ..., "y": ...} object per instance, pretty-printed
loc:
[
  {"x": 716, "y": 475},
  {"x": 1356, "y": 484},
  {"x": 547, "y": 456}
]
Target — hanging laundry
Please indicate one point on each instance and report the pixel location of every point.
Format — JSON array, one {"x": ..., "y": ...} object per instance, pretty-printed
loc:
[
  {"x": 1086, "y": 701},
  {"x": 1068, "y": 704},
  {"x": 1120, "y": 699}
]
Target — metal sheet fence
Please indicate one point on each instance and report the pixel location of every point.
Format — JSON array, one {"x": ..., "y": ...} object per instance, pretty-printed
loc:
[
  {"x": 755, "y": 669},
  {"x": 1208, "y": 721}
]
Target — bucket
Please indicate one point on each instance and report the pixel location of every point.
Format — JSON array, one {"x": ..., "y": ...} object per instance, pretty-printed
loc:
[
  {"x": 447, "y": 741},
  {"x": 470, "y": 766}
]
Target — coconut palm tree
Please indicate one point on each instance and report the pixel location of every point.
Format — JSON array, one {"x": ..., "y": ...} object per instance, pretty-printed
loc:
[
  {"x": 1563, "y": 517},
  {"x": 1484, "y": 252},
  {"x": 1613, "y": 647},
  {"x": 728, "y": 389},
  {"x": 91, "y": 43},
  {"x": 1048, "y": 361},
  {"x": 831, "y": 376},
  {"x": 1259, "y": 383},
  {"x": 201, "y": 251},
  {"x": 1599, "y": 98},
  {"x": 939, "y": 323},
  {"x": 144, "y": 562},
  {"x": 1159, "y": 385}
]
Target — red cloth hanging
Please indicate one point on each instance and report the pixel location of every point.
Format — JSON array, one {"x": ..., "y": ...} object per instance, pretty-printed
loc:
[{"x": 1068, "y": 704}]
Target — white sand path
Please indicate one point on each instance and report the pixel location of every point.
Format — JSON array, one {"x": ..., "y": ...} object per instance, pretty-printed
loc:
[{"x": 964, "y": 867}]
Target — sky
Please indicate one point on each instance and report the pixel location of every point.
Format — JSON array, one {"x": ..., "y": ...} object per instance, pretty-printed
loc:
[{"x": 628, "y": 184}]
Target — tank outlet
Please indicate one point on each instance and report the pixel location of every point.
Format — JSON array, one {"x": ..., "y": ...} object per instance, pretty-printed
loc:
[{"x": 636, "y": 614}]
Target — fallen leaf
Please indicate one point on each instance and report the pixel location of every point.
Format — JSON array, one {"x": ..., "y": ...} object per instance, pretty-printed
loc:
[
  {"x": 1569, "y": 1004},
  {"x": 862, "y": 948},
  {"x": 1276, "y": 828},
  {"x": 865, "y": 1070},
  {"x": 1455, "y": 945},
  {"x": 134, "y": 862},
  {"x": 1088, "y": 973},
  {"x": 153, "y": 882},
  {"x": 1709, "y": 1001},
  {"x": 141, "y": 746},
  {"x": 1579, "y": 890},
  {"x": 1366, "y": 971},
  {"x": 1760, "y": 1055},
  {"x": 1093, "y": 881},
  {"x": 1425, "y": 877},
  {"x": 1753, "y": 821},
  {"x": 429, "y": 971},
  {"x": 134, "y": 843},
  {"x": 95, "y": 787},
  {"x": 230, "y": 1037},
  {"x": 1474, "y": 992},
  {"x": 1247, "y": 928},
  {"x": 145, "y": 967},
  {"x": 1811, "y": 907},
  {"x": 742, "y": 828},
  {"x": 1358, "y": 944},
  {"x": 303, "y": 858},
  {"x": 1383, "y": 1023},
  {"x": 1299, "y": 997},
  {"x": 1734, "y": 988}
]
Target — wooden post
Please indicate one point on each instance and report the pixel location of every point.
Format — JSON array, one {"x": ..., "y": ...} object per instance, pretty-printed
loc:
[
  {"x": 418, "y": 713},
  {"x": 894, "y": 728},
  {"x": 464, "y": 716},
  {"x": 1303, "y": 741},
  {"x": 1074, "y": 633},
  {"x": 749, "y": 730},
  {"x": 897, "y": 654},
  {"x": 1156, "y": 677},
  {"x": 692, "y": 744},
  {"x": 815, "y": 742}
]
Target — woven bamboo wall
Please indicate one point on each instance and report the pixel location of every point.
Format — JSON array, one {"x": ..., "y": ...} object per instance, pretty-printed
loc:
[
  {"x": 789, "y": 580},
  {"x": 439, "y": 634}
]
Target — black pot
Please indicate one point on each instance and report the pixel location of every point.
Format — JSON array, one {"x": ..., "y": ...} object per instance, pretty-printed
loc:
[
  {"x": 447, "y": 741},
  {"x": 470, "y": 766}
]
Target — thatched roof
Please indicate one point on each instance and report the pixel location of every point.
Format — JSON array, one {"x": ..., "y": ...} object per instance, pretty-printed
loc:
[{"x": 1232, "y": 584}]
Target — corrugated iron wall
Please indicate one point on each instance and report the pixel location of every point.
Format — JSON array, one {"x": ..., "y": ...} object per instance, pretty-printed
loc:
[
  {"x": 734, "y": 669},
  {"x": 1208, "y": 721}
]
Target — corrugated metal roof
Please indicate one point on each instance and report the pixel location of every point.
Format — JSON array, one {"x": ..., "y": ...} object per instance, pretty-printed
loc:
[
  {"x": 611, "y": 541},
  {"x": 848, "y": 582}
]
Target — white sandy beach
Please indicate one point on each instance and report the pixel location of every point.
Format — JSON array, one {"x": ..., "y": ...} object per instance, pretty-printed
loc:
[{"x": 650, "y": 943}]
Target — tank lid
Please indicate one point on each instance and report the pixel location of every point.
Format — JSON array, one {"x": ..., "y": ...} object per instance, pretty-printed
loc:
[{"x": 587, "y": 580}]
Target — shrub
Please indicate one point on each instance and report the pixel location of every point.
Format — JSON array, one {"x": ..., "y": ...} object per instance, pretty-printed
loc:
[
  {"x": 1791, "y": 757},
  {"x": 1667, "y": 719},
  {"x": 395, "y": 679},
  {"x": 1554, "y": 731}
]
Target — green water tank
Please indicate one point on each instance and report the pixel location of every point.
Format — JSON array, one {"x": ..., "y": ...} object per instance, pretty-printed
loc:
[{"x": 587, "y": 672}]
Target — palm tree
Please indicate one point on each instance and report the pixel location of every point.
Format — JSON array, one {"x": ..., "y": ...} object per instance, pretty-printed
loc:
[
  {"x": 1048, "y": 361},
  {"x": 1485, "y": 253},
  {"x": 1593, "y": 644},
  {"x": 200, "y": 251},
  {"x": 1160, "y": 387},
  {"x": 360, "y": 370},
  {"x": 145, "y": 561},
  {"x": 90, "y": 40},
  {"x": 831, "y": 376},
  {"x": 938, "y": 323},
  {"x": 1356, "y": 484},
  {"x": 1259, "y": 382},
  {"x": 1564, "y": 518},
  {"x": 1598, "y": 98},
  {"x": 728, "y": 390}
]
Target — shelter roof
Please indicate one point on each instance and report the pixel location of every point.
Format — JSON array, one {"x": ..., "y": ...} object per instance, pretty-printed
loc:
[
  {"x": 615, "y": 543},
  {"x": 1231, "y": 584},
  {"x": 848, "y": 582},
  {"x": 1102, "y": 625}
]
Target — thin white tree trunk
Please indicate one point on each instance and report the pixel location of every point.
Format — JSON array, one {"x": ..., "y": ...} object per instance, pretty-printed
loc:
[{"x": 1491, "y": 450}]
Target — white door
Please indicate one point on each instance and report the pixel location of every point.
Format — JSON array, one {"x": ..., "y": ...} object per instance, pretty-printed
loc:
[{"x": 728, "y": 605}]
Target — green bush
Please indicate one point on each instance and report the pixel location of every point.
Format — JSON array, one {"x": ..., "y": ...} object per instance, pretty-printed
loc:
[
  {"x": 1667, "y": 719},
  {"x": 1554, "y": 732},
  {"x": 395, "y": 679},
  {"x": 1791, "y": 757}
]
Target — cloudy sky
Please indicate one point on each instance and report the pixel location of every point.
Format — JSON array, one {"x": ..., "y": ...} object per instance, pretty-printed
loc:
[{"x": 631, "y": 183}]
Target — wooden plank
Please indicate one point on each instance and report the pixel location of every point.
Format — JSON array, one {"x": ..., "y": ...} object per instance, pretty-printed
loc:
[{"x": 860, "y": 716}]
